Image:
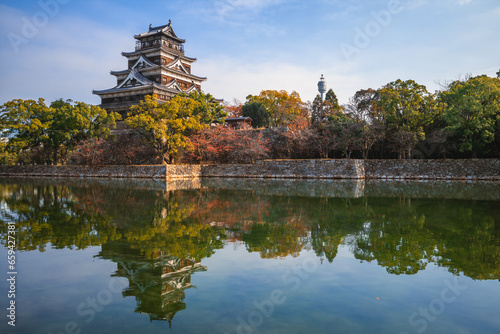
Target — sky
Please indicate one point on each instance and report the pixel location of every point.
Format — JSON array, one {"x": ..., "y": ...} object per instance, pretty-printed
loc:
[{"x": 66, "y": 48}]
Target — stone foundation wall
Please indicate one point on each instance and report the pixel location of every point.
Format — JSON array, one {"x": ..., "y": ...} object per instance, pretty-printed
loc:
[
  {"x": 183, "y": 171},
  {"x": 471, "y": 169},
  {"x": 120, "y": 171},
  {"x": 442, "y": 169},
  {"x": 308, "y": 169}
]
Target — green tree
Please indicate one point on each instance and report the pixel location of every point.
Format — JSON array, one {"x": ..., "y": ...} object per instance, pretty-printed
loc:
[
  {"x": 331, "y": 107},
  {"x": 6, "y": 156},
  {"x": 405, "y": 108},
  {"x": 472, "y": 112},
  {"x": 327, "y": 110},
  {"x": 257, "y": 112},
  {"x": 361, "y": 105},
  {"x": 47, "y": 134},
  {"x": 284, "y": 108},
  {"x": 316, "y": 109},
  {"x": 209, "y": 109},
  {"x": 73, "y": 124},
  {"x": 25, "y": 123},
  {"x": 165, "y": 126}
]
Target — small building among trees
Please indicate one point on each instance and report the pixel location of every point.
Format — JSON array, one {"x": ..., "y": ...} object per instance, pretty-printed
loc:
[{"x": 238, "y": 122}]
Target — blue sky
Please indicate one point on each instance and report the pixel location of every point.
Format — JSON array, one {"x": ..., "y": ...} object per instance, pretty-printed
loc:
[{"x": 66, "y": 48}]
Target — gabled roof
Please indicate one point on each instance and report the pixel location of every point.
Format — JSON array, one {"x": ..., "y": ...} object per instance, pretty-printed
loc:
[
  {"x": 177, "y": 64},
  {"x": 191, "y": 88},
  {"x": 163, "y": 30},
  {"x": 143, "y": 62},
  {"x": 173, "y": 84},
  {"x": 135, "y": 80}
]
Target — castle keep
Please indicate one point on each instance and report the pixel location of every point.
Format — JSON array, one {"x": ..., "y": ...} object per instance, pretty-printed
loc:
[{"x": 157, "y": 66}]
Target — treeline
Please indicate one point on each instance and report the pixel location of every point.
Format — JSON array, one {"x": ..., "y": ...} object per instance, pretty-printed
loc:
[
  {"x": 401, "y": 120},
  {"x": 67, "y": 132},
  {"x": 35, "y": 133}
]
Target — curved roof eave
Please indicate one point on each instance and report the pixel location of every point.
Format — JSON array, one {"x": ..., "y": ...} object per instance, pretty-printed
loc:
[
  {"x": 133, "y": 53},
  {"x": 119, "y": 72}
]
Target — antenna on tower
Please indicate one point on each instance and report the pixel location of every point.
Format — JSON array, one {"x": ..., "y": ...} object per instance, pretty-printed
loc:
[{"x": 322, "y": 87}]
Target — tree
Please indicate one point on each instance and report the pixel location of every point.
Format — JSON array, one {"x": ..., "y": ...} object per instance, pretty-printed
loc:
[
  {"x": 165, "y": 126},
  {"x": 284, "y": 108},
  {"x": 327, "y": 110},
  {"x": 25, "y": 123},
  {"x": 405, "y": 108},
  {"x": 316, "y": 108},
  {"x": 472, "y": 112},
  {"x": 331, "y": 107},
  {"x": 233, "y": 109},
  {"x": 498, "y": 74},
  {"x": 73, "y": 124},
  {"x": 257, "y": 112},
  {"x": 225, "y": 144},
  {"x": 209, "y": 109},
  {"x": 361, "y": 105},
  {"x": 6, "y": 157},
  {"x": 45, "y": 134}
]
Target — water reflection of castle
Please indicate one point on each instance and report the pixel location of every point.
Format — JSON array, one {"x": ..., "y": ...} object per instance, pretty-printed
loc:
[{"x": 158, "y": 284}]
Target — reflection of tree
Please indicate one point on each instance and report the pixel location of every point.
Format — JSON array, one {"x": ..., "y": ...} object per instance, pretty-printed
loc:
[
  {"x": 157, "y": 284},
  {"x": 82, "y": 217},
  {"x": 395, "y": 239},
  {"x": 399, "y": 247},
  {"x": 471, "y": 243},
  {"x": 275, "y": 240},
  {"x": 401, "y": 234},
  {"x": 405, "y": 235},
  {"x": 47, "y": 214}
]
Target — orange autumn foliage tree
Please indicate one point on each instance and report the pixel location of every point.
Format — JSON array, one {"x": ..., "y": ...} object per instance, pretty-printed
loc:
[
  {"x": 285, "y": 109},
  {"x": 224, "y": 144}
]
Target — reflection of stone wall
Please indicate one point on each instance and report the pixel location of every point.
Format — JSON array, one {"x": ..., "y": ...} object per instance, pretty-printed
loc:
[
  {"x": 281, "y": 187},
  {"x": 470, "y": 190},
  {"x": 101, "y": 182},
  {"x": 468, "y": 169},
  {"x": 451, "y": 189}
]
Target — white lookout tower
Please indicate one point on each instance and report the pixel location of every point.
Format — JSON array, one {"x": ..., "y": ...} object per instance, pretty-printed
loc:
[{"x": 322, "y": 87}]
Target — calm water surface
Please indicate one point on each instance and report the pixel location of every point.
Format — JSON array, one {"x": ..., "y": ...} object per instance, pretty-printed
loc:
[{"x": 250, "y": 256}]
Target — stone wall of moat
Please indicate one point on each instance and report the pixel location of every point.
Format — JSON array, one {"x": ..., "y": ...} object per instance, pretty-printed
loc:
[
  {"x": 311, "y": 169},
  {"x": 464, "y": 169},
  {"x": 440, "y": 169},
  {"x": 119, "y": 171}
]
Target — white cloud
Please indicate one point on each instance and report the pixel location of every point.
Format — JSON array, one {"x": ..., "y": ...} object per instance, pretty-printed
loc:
[{"x": 230, "y": 78}]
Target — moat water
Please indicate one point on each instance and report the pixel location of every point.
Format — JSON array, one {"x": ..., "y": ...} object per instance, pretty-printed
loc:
[{"x": 249, "y": 256}]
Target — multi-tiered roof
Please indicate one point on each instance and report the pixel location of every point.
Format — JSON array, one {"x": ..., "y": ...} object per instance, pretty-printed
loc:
[{"x": 157, "y": 66}]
